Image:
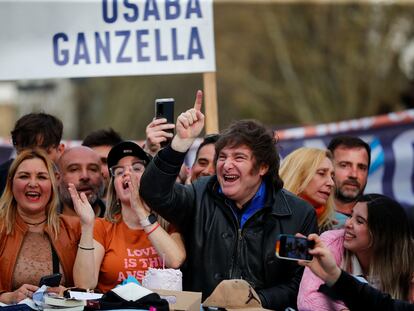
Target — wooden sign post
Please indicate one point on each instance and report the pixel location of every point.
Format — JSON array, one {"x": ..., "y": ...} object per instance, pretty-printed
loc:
[{"x": 210, "y": 98}]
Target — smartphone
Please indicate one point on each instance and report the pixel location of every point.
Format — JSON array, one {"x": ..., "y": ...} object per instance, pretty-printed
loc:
[
  {"x": 293, "y": 248},
  {"x": 52, "y": 280},
  {"x": 164, "y": 108}
]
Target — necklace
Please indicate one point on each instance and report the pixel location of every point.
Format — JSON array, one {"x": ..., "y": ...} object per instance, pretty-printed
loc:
[{"x": 36, "y": 223}]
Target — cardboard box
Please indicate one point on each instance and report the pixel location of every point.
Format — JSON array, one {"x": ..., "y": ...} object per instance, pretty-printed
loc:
[{"x": 181, "y": 301}]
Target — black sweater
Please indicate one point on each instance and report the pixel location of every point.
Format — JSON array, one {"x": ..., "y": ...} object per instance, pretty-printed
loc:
[{"x": 361, "y": 296}]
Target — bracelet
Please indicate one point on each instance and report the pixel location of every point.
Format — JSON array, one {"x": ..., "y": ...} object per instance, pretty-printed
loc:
[
  {"x": 86, "y": 248},
  {"x": 153, "y": 229}
]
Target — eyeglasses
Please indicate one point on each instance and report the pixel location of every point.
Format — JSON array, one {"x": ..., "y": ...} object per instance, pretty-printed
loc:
[{"x": 119, "y": 170}]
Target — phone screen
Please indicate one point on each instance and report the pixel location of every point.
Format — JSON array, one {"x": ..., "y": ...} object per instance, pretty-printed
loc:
[
  {"x": 293, "y": 248},
  {"x": 164, "y": 108},
  {"x": 52, "y": 280}
]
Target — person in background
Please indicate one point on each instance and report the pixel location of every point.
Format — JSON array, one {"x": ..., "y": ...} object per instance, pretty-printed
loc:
[
  {"x": 101, "y": 141},
  {"x": 351, "y": 158},
  {"x": 204, "y": 160},
  {"x": 375, "y": 246},
  {"x": 34, "y": 240},
  {"x": 308, "y": 173},
  {"x": 81, "y": 166},
  {"x": 131, "y": 238},
  {"x": 40, "y": 130},
  {"x": 204, "y": 163},
  {"x": 230, "y": 221},
  {"x": 357, "y": 296}
]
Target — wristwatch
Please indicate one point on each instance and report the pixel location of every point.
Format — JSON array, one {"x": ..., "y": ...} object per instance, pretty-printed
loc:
[{"x": 148, "y": 221}]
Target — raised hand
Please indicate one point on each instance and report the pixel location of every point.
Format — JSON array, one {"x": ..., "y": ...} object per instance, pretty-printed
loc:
[
  {"x": 156, "y": 134},
  {"x": 189, "y": 125},
  {"x": 137, "y": 204},
  {"x": 82, "y": 206}
]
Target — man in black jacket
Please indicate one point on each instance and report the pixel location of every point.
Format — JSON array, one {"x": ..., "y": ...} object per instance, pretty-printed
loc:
[{"x": 231, "y": 221}]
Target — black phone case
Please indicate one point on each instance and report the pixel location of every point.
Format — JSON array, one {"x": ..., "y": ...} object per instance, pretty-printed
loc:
[
  {"x": 165, "y": 109},
  {"x": 52, "y": 280}
]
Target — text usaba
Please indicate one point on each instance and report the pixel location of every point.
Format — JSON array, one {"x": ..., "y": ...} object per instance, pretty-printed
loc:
[{"x": 114, "y": 46}]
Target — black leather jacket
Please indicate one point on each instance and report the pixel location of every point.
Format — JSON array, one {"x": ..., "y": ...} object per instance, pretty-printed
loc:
[{"x": 217, "y": 248}]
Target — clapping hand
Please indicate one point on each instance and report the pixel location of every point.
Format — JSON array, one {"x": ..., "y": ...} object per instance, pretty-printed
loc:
[
  {"x": 137, "y": 203},
  {"x": 82, "y": 206}
]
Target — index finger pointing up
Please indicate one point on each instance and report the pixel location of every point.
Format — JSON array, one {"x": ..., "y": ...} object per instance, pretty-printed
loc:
[{"x": 199, "y": 100}]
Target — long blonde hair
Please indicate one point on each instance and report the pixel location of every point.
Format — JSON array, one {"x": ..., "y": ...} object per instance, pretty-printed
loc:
[
  {"x": 297, "y": 171},
  {"x": 8, "y": 203}
]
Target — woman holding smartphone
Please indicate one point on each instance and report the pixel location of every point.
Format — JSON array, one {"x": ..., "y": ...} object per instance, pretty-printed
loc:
[
  {"x": 130, "y": 239},
  {"x": 34, "y": 240},
  {"x": 356, "y": 295},
  {"x": 376, "y": 247}
]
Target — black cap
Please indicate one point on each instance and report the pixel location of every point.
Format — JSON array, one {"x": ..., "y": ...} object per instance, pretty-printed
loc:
[{"x": 124, "y": 149}]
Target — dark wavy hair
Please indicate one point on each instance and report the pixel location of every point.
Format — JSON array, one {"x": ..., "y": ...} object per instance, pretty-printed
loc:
[
  {"x": 208, "y": 139},
  {"x": 392, "y": 244},
  {"x": 37, "y": 130},
  {"x": 260, "y": 140},
  {"x": 102, "y": 137},
  {"x": 349, "y": 142}
]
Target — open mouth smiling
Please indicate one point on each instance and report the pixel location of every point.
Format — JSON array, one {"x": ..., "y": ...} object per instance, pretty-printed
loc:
[
  {"x": 125, "y": 184},
  {"x": 230, "y": 178},
  {"x": 32, "y": 195},
  {"x": 348, "y": 235}
]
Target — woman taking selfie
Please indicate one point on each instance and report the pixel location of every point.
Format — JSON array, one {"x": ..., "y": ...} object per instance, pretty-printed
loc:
[
  {"x": 34, "y": 240},
  {"x": 130, "y": 239},
  {"x": 357, "y": 296},
  {"x": 308, "y": 173},
  {"x": 375, "y": 246}
]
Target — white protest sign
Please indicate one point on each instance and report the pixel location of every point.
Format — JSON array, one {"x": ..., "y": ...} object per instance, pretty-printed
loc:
[{"x": 89, "y": 38}]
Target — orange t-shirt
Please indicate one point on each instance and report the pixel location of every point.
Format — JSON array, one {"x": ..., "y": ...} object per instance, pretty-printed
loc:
[{"x": 128, "y": 252}]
